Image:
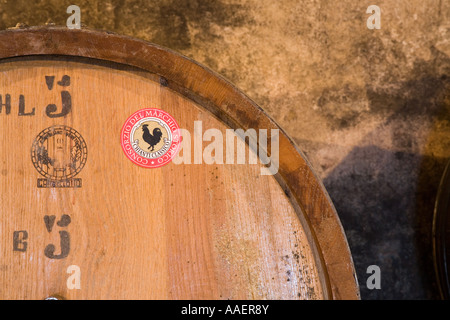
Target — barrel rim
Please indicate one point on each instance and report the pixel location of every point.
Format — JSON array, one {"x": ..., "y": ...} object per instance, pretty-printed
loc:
[
  {"x": 192, "y": 79},
  {"x": 440, "y": 234}
]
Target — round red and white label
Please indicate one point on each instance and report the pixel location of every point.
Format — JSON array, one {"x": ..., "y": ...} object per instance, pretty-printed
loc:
[{"x": 150, "y": 138}]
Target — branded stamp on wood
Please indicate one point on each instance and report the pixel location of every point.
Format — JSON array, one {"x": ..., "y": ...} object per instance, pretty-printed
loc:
[{"x": 59, "y": 153}]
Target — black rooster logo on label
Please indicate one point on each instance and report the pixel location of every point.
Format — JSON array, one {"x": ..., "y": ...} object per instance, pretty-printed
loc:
[{"x": 151, "y": 139}]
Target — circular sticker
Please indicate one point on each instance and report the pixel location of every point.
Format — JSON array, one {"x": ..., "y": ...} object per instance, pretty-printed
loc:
[{"x": 150, "y": 138}]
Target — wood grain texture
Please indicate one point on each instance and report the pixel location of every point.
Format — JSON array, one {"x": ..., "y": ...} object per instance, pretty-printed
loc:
[{"x": 181, "y": 231}]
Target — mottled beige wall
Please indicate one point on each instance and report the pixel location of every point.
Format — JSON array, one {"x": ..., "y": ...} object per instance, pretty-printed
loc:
[{"x": 370, "y": 108}]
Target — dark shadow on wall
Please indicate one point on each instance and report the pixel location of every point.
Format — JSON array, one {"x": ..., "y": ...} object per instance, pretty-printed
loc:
[
  {"x": 385, "y": 201},
  {"x": 385, "y": 198}
]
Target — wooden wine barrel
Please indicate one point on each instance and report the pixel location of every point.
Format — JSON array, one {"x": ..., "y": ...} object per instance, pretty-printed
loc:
[
  {"x": 117, "y": 181},
  {"x": 441, "y": 235}
]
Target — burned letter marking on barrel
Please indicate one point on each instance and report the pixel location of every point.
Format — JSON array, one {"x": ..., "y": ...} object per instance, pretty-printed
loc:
[
  {"x": 19, "y": 243},
  {"x": 59, "y": 153},
  {"x": 64, "y": 237},
  {"x": 7, "y": 106},
  {"x": 51, "y": 109},
  {"x": 66, "y": 99}
]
